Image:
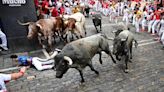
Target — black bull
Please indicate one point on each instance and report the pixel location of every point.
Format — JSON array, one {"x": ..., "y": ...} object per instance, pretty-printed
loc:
[
  {"x": 78, "y": 54},
  {"x": 122, "y": 46},
  {"x": 96, "y": 18}
]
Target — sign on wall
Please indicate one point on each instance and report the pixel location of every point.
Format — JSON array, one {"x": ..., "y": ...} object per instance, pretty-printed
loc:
[{"x": 14, "y": 2}]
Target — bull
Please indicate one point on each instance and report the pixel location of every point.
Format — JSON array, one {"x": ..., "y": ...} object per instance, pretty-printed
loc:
[
  {"x": 43, "y": 29},
  {"x": 96, "y": 18},
  {"x": 72, "y": 26},
  {"x": 122, "y": 46},
  {"x": 78, "y": 54},
  {"x": 80, "y": 22}
]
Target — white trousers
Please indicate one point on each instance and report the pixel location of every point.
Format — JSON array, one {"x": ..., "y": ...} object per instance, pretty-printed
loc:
[
  {"x": 137, "y": 26},
  {"x": 125, "y": 18},
  {"x": 119, "y": 11},
  {"x": 150, "y": 25},
  {"x": 134, "y": 17},
  {"x": 161, "y": 30},
  {"x": 162, "y": 38},
  {"x": 3, "y": 38},
  {"x": 105, "y": 11},
  {"x": 154, "y": 26},
  {"x": 144, "y": 23},
  {"x": 122, "y": 9},
  {"x": 98, "y": 6},
  {"x": 40, "y": 64}
]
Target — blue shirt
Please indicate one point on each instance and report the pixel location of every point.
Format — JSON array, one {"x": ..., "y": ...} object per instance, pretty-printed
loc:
[{"x": 22, "y": 60}]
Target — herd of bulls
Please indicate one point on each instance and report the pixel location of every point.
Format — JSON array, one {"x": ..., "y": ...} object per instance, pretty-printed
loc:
[
  {"x": 79, "y": 53},
  {"x": 48, "y": 29}
]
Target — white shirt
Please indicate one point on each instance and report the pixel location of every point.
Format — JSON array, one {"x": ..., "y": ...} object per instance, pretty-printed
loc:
[
  {"x": 68, "y": 10},
  {"x": 3, "y": 78},
  {"x": 126, "y": 12},
  {"x": 59, "y": 4}
]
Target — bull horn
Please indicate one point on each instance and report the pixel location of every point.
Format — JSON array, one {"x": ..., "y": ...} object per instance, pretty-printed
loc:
[
  {"x": 23, "y": 24},
  {"x": 39, "y": 26},
  {"x": 68, "y": 59},
  {"x": 110, "y": 38},
  {"x": 114, "y": 31},
  {"x": 123, "y": 39},
  {"x": 66, "y": 22},
  {"x": 93, "y": 17},
  {"x": 39, "y": 34},
  {"x": 59, "y": 50}
]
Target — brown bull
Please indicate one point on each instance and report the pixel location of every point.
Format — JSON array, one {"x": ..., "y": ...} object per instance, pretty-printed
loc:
[
  {"x": 43, "y": 27},
  {"x": 60, "y": 26},
  {"x": 72, "y": 27},
  {"x": 63, "y": 28}
]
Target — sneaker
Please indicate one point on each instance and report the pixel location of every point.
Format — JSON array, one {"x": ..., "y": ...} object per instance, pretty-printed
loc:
[{"x": 4, "y": 48}]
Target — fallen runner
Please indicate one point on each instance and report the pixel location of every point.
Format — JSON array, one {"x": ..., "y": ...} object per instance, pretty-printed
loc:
[{"x": 38, "y": 63}]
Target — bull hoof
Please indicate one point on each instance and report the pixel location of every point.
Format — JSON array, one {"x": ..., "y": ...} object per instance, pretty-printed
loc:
[
  {"x": 97, "y": 72},
  {"x": 114, "y": 62},
  {"x": 130, "y": 61},
  {"x": 126, "y": 70},
  {"x": 118, "y": 58},
  {"x": 130, "y": 57},
  {"x": 81, "y": 36},
  {"x": 82, "y": 81},
  {"x": 100, "y": 62},
  {"x": 85, "y": 33}
]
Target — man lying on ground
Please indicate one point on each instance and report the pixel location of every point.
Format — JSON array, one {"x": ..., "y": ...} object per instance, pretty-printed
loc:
[{"x": 38, "y": 63}]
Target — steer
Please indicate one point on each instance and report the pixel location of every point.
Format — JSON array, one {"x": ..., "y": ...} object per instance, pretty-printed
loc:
[
  {"x": 96, "y": 18},
  {"x": 78, "y": 54},
  {"x": 122, "y": 46}
]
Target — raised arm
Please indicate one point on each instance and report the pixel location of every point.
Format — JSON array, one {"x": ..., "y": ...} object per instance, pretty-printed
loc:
[{"x": 15, "y": 76}]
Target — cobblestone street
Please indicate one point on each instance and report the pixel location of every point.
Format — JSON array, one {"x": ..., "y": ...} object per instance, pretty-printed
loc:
[{"x": 146, "y": 70}]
